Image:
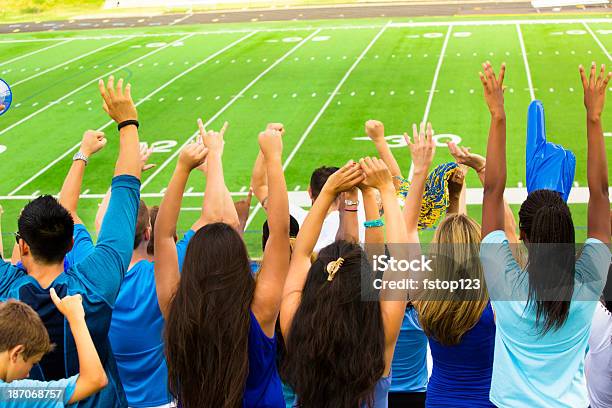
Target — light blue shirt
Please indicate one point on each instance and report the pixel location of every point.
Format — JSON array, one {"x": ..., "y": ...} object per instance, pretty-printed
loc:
[
  {"x": 66, "y": 384},
  {"x": 409, "y": 364},
  {"x": 531, "y": 369}
]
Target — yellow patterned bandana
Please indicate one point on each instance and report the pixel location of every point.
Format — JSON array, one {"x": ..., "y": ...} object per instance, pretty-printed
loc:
[{"x": 435, "y": 198}]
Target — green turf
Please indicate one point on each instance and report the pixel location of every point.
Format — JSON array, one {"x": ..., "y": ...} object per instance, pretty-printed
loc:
[{"x": 391, "y": 83}]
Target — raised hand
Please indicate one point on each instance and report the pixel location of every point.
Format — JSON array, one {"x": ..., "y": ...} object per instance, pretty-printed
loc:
[
  {"x": 93, "y": 141},
  {"x": 595, "y": 88},
  {"x": 193, "y": 155},
  {"x": 70, "y": 306},
  {"x": 375, "y": 130},
  {"x": 462, "y": 155},
  {"x": 377, "y": 174},
  {"x": 117, "y": 101},
  {"x": 271, "y": 143},
  {"x": 278, "y": 127},
  {"x": 493, "y": 88},
  {"x": 243, "y": 207},
  {"x": 145, "y": 153},
  {"x": 422, "y": 148},
  {"x": 347, "y": 177},
  {"x": 211, "y": 139}
]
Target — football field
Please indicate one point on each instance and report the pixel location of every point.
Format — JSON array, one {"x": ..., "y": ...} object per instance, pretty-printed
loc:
[{"x": 321, "y": 79}]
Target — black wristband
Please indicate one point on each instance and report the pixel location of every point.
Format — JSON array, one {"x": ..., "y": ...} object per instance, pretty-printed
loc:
[{"x": 128, "y": 123}]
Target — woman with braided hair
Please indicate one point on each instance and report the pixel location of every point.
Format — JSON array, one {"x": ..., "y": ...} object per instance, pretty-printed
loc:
[{"x": 544, "y": 311}]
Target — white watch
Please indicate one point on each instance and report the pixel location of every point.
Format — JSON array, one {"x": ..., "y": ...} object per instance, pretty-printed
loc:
[
  {"x": 350, "y": 203},
  {"x": 80, "y": 156}
]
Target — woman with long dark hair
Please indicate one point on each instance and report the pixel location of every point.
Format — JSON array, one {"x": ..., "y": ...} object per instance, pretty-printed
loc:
[
  {"x": 340, "y": 344},
  {"x": 544, "y": 311},
  {"x": 219, "y": 336}
]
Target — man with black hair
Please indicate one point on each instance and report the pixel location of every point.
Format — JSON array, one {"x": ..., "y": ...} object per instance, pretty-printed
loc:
[{"x": 45, "y": 237}]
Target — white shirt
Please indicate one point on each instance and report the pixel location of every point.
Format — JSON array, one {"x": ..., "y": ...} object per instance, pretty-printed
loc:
[
  {"x": 598, "y": 363},
  {"x": 330, "y": 224}
]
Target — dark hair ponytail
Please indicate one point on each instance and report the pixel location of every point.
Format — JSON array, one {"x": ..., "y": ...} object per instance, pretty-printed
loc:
[{"x": 548, "y": 229}]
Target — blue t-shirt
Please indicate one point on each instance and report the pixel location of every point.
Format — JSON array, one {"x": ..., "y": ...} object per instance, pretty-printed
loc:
[
  {"x": 409, "y": 364},
  {"x": 97, "y": 279},
  {"x": 136, "y": 335},
  {"x": 531, "y": 369},
  {"x": 461, "y": 374},
  {"x": 263, "y": 385},
  {"x": 54, "y": 399}
]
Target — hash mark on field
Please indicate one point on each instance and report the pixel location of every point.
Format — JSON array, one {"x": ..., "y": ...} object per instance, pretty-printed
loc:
[
  {"x": 160, "y": 168},
  {"x": 597, "y": 41},
  {"x": 163, "y": 86}
]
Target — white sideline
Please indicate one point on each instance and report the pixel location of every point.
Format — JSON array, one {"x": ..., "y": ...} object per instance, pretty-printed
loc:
[
  {"x": 185, "y": 72},
  {"x": 34, "y": 52},
  {"x": 69, "y": 61},
  {"x": 50, "y": 104},
  {"x": 526, "y": 62},
  {"x": 322, "y": 110},
  {"x": 514, "y": 195},
  {"x": 335, "y": 27},
  {"x": 224, "y": 108},
  {"x": 597, "y": 40}
]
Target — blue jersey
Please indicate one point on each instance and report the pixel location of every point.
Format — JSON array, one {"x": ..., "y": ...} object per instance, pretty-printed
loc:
[
  {"x": 409, "y": 366},
  {"x": 136, "y": 335},
  {"x": 97, "y": 279}
]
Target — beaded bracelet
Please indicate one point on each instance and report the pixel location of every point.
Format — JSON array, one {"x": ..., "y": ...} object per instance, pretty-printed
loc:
[{"x": 374, "y": 223}]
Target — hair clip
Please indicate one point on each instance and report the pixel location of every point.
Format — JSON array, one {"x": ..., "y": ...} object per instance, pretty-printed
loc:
[{"x": 333, "y": 267}]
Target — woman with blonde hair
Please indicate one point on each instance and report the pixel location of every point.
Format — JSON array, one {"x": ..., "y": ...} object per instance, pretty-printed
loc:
[{"x": 459, "y": 324}]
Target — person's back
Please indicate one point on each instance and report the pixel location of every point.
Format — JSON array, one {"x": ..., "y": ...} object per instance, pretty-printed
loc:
[{"x": 461, "y": 374}]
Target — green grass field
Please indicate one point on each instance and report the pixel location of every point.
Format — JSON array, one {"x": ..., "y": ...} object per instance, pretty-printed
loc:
[{"x": 323, "y": 80}]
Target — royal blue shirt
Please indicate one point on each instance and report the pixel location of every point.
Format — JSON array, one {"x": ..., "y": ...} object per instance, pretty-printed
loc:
[
  {"x": 263, "y": 385},
  {"x": 136, "y": 335},
  {"x": 409, "y": 366},
  {"x": 461, "y": 374},
  {"x": 97, "y": 279}
]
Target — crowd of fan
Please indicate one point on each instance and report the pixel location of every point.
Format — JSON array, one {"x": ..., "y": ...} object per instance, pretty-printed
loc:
[{"x": 143, "y": 319}]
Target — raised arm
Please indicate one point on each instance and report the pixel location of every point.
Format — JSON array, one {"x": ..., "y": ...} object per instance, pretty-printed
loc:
[
  {"x": 275, "y": 265},
  {"x": 463, "y": 155},
  {"x": 92, "y": 143},
  {"x": 104, "y": 269},
  {"x": 422, "y": 150},
  {"x": 376, "y": 131},
  {"x": 166, "y": 258},
  {"x": 595, "y": 88},
  {"x": 348, "y": 229},
  {"x": 344, "y": 179},
  {"x": 92, "y": 377},
  {"x": 259, "y": 178},
  {"x": 495, "y": 177}
]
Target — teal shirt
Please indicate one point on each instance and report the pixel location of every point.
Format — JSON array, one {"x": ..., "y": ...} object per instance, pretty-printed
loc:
[
  {"x": 31, "y": 386},
  {"x": 531, "y": 369}
]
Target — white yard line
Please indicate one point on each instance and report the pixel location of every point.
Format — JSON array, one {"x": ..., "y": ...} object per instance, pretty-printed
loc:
[
  {"x": 597, "y": 40},
  {"x": 34, "y": 52},
  {"x": 185, "y": 72},
  {"x": 322, "y": 110},
  {"x": 160, "y": 168},
  {"x": 179, "y": 20},
  {"x": 335, "y": 27},
  {"x": 69, "y": 61},
  {"x": 525, "y": 61},
  {"x": 432, "y": 90},
  {"x": 514, "y": 195},
  {"x": 57, "y": 101}
]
